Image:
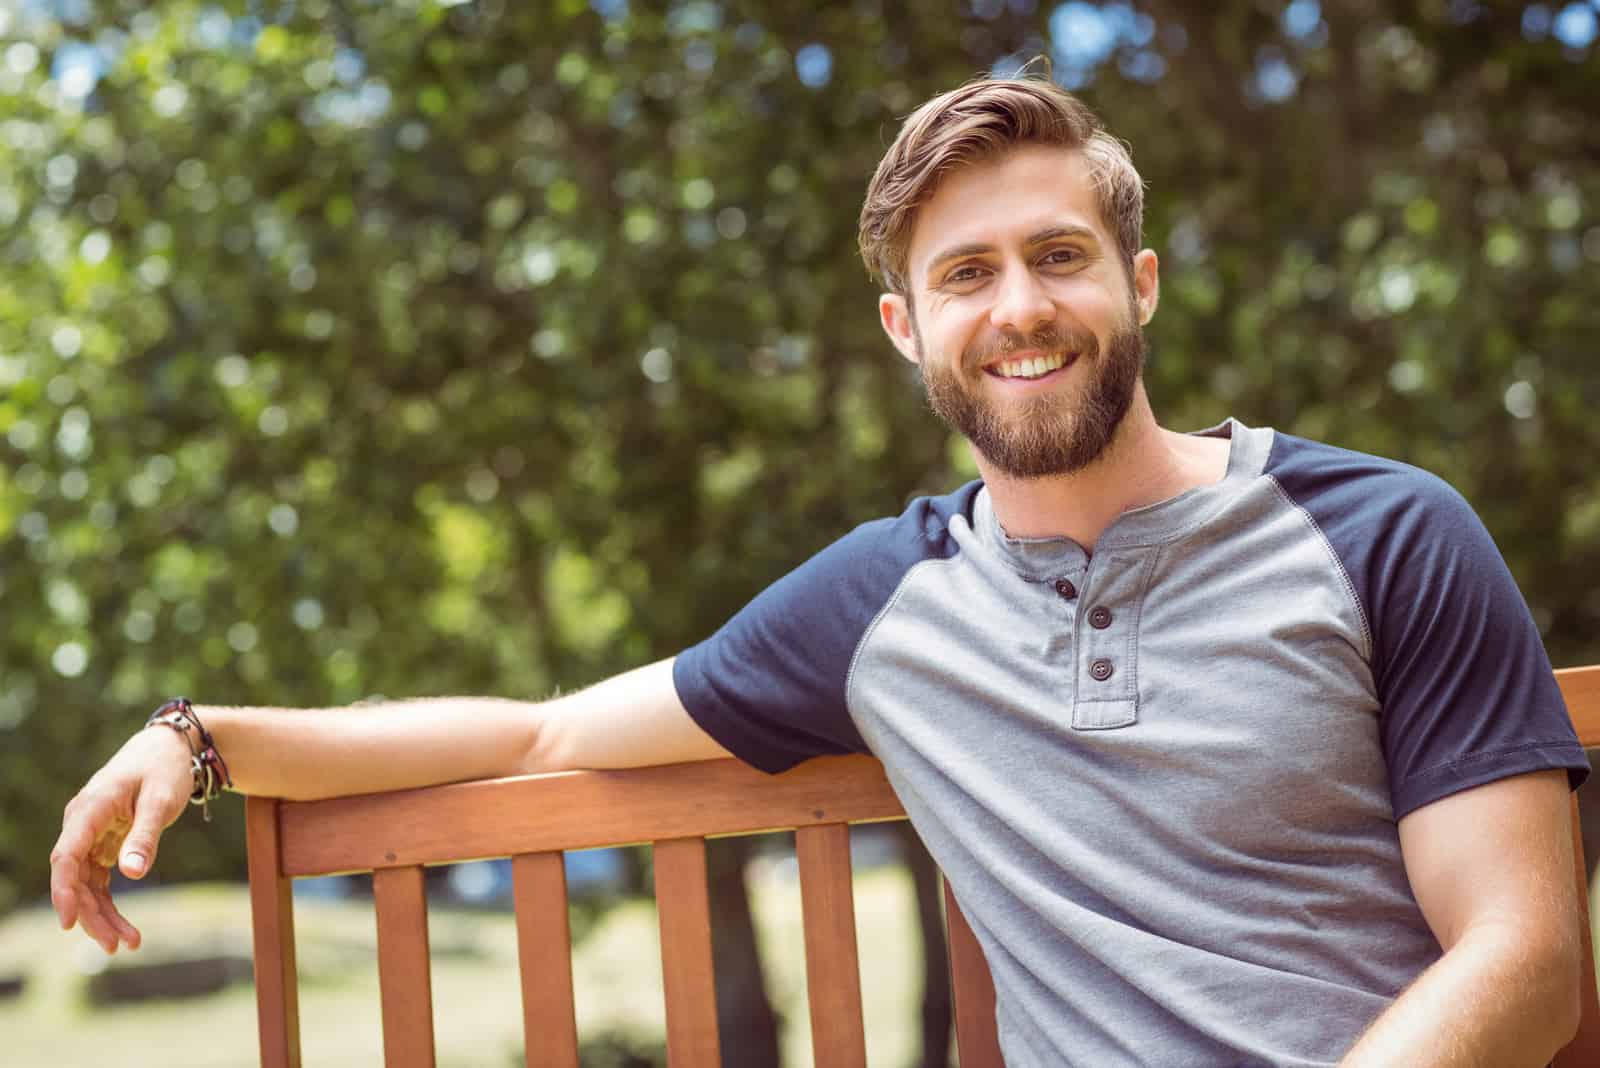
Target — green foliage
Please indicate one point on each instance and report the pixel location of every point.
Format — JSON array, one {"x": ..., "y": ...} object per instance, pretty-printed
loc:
[{"x": 419, "y": 348}]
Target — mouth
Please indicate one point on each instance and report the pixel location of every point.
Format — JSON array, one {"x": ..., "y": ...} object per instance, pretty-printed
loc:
[{"x": 1028, "y": 368}]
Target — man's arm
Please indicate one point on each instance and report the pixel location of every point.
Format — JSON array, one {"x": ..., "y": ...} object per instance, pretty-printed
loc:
[
  {"x": 631, "y": 720},
  {"x": 1492, "y": 869}
]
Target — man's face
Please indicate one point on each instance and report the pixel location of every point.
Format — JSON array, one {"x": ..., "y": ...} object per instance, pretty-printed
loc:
[{"x": 1021, "y": 315}]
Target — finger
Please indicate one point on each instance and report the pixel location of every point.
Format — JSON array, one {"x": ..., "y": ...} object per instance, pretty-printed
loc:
[
  {"x": 64, "y": 883},
  {"x": 92, "y": 923},
  {"x": 115, "y": 920},
  {"x": 80, "y": 826},
  {"x": 70, "y": 853},
  {"x": 151, "y": 814}
]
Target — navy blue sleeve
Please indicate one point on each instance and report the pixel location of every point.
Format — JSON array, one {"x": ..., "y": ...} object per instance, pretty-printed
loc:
[
  {"x": 1465, "y": 688},
  {"x": 770, "y": 685}
]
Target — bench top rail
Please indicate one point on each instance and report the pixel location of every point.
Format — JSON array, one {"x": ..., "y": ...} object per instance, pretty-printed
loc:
[
  {"x": 576, "y": 810},
  {"x": 1581, "y": 688}
]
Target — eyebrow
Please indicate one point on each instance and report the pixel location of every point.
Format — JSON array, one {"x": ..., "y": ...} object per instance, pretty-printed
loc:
[{"x": 1038, "y": 237}]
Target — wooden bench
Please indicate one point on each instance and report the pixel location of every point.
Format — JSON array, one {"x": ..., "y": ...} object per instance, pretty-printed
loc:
[{"x": 533, "y": 819}]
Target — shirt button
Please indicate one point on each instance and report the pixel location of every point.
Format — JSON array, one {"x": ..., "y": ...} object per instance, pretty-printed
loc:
[
  {"x": 1101, "y": 670},
  {"x": 1066, "y": 589},
  {"x": 1100, "y": 617}
]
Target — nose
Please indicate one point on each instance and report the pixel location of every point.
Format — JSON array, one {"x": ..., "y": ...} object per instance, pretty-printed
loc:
[{"x": 1020, "y": 303}]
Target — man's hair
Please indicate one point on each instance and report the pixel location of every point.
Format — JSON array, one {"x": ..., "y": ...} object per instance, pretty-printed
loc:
[{"x": 976, "y": 123}]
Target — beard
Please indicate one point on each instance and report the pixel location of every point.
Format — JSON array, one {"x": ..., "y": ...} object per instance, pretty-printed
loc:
[{"x": 1048, "y": 434}]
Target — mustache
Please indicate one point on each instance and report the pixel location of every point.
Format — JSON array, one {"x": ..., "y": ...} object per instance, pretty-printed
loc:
[{"x": 1047, "y": 337}]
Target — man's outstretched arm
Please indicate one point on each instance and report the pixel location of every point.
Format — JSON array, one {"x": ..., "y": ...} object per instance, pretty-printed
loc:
[
  {"x": 1492, "y": 869},
  {"x": 631, "y": 720}
]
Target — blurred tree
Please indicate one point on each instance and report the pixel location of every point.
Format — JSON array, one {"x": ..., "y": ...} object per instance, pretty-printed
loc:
[{"x": 489, "y": 347}]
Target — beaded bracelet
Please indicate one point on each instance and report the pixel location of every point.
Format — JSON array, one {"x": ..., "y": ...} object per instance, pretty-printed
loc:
[{"x": 210, "y": 771}]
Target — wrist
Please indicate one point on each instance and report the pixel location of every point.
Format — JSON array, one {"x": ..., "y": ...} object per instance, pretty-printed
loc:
[{"x": 208, "y": 770}]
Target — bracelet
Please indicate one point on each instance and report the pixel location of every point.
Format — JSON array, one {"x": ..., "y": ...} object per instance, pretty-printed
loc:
[{"x": 209, "y": 770}]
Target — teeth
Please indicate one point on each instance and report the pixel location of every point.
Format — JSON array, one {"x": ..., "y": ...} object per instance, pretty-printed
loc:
[{"x": 1030, "y": 368}]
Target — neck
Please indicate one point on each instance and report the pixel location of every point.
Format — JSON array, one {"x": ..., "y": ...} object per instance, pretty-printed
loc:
[{"x": 1144, "y": 464}]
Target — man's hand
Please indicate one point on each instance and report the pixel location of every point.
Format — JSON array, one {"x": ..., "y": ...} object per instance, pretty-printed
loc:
[{"x": 117, "y": 819}]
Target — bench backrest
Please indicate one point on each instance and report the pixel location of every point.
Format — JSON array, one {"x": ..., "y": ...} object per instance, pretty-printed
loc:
[{"x": 534, "y": 819}]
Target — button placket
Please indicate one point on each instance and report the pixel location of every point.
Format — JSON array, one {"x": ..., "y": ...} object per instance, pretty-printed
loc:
[{"x": 1106, "y": 639}]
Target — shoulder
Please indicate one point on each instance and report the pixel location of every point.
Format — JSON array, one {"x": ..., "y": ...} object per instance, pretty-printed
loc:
[
  {"x": 1387, "y": 522},
  {"x": 770, "y": 684},
  {"x": 1405, "y": 538},
  {"x": 884, "y": 549},
  {"x": 1358, "y": 487}
]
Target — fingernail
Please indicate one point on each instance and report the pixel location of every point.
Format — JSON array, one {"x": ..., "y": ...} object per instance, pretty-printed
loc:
[{"x": 133, "y": 863}]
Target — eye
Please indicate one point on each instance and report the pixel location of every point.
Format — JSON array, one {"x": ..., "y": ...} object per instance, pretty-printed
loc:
[
  {"x": 1060, "y": 257},
  {"x": 964, "y": 274}
]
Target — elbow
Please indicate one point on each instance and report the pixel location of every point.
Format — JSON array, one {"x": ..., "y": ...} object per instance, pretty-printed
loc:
[
  {"x": 1576, "y": 973},
  {"x": 1544, "y": 969},
  {"x": 1567, "y": 969}
]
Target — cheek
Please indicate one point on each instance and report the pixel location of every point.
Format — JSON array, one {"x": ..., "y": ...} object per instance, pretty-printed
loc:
[
  {"x": 1082, "y": 293},
  {"x": 1096, "y": 309},
  {"x": 949, "y": 322}
]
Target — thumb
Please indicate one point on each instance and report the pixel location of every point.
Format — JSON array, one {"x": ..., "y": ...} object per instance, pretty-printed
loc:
[{"x": 139, "y": 848}]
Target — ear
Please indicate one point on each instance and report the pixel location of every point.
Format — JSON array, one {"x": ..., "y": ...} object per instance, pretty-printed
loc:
[
  {"x": 1146, "y": 284},
  {"x": 895, "y": 315}
]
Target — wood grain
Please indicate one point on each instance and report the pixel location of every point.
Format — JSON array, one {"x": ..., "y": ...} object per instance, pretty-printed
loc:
[
  {"x": 684, "y": 905},
  {"x": 1581, "y": 687},
  {"x": 544, "y": 950},
  {"x": 404, "y": 978},
  {"x": 272, "y": 928},
  {"x": 972, "y": 989},
  {"x": 576, "y": 810},
  {"x": 833, "y": 971}
]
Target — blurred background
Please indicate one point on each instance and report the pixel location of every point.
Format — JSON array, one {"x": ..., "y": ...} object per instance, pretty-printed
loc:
[{"x": 354, "y": 349}]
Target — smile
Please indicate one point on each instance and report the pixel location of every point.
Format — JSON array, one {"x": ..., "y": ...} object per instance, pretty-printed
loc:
[{"x": 1035, "y": 367}]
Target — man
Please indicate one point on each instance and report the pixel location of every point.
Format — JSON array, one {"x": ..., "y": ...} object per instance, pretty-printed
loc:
[{"x": 1237, "y": 749}]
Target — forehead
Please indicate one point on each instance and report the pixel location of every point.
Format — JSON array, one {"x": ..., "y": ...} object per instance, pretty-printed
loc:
[{"x": 1001, "y": 200}]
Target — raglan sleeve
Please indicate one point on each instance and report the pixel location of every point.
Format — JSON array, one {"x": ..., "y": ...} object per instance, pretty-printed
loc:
[
  {"x": 1466, "y": 691},
  {"x": 770, "y": 685}
]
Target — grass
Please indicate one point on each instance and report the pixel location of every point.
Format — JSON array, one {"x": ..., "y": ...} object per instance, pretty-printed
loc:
[{"x": 477, "y": 1014}]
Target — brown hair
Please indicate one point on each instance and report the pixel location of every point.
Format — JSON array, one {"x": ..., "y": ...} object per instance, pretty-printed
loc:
[{"x": 977, "y": 122}]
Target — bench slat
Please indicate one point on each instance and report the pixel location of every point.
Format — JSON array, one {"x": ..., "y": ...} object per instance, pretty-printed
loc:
[
  {"x": 404, "y": 979},
  {"x": 272, "y": 923},
  {"x": 684, "y": 905},
  {"x": 544, "y": 951},
  {"x": 833, "y": 972},
  {"x": 972, "y": 989}
]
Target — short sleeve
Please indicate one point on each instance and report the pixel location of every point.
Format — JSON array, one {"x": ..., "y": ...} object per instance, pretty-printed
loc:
[
  {"x": 770, "y": 685},
  {"x": 1466, "y": 691}
]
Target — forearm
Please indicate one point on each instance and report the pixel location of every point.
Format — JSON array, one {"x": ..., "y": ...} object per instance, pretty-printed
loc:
[
  {"x": 1496, "y": 1000},
  {"x": 629, "y": 720},
  {"x": 304, "y": 753}
]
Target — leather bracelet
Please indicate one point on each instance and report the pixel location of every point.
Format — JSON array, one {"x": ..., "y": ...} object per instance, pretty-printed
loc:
[{"x": 206, "y": 766}]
